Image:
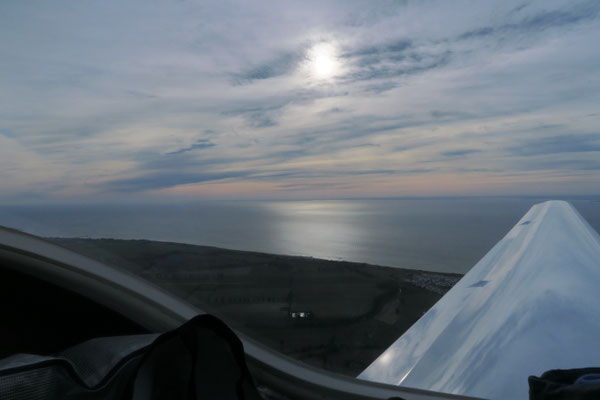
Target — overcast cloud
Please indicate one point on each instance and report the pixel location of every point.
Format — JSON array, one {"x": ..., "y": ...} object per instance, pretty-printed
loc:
[{"x": 147, "y": 99}]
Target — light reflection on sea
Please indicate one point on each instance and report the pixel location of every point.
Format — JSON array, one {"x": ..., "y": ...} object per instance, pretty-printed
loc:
[{"x": 448, "y": 235}]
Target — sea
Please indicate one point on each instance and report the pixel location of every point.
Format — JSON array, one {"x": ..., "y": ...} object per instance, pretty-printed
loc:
[{"x": 434, "y": 234}]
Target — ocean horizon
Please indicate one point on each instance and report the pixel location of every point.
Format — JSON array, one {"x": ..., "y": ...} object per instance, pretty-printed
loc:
[{"x": 433, "y": 234}]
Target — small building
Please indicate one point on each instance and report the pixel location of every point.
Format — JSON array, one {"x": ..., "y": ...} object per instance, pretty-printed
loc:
[{"x": 301, "y": 314}]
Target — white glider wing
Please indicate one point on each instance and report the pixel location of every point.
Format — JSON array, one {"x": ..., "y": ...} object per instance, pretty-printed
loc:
[{"x": 530, "y": 305}]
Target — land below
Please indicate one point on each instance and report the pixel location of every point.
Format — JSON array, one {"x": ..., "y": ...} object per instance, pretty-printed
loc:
[{"x": 335, "y": 315}]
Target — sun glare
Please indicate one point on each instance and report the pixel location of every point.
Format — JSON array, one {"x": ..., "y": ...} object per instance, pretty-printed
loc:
[{"x": 323, "y": 60}]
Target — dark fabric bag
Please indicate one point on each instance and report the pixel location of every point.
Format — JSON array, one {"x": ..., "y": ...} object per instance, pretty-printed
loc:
[
  {"x": 202, "y": 359},
  {"x": 563, "y": 384}
]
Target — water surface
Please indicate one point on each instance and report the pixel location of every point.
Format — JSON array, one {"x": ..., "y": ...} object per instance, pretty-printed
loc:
[{"x": 447, "y": 235}]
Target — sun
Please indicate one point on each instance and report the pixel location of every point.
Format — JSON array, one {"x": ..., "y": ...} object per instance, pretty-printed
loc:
[{"x": 323, "y": 61}]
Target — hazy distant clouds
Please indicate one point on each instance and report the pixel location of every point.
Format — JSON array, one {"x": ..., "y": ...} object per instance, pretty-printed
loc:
[{"x": 298, "y": 99}]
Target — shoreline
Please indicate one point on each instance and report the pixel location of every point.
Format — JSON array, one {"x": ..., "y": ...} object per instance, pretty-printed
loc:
[{"x": 351, "y": 311}]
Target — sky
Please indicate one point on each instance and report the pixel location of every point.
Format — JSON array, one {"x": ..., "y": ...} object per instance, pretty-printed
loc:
[{"x": 149, "y": 99}]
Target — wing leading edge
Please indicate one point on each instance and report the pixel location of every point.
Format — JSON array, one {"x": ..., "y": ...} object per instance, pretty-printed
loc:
[{"x": 530, "y": 305}]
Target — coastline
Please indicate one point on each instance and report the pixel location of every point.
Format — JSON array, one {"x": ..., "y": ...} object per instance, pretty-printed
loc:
[{"x": 335, "y": 315}]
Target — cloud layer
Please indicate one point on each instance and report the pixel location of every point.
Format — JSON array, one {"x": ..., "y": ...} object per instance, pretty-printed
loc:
[{"x": 201, "y": 100}]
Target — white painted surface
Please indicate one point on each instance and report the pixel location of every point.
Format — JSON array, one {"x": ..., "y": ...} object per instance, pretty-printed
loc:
[{"x": 530, "y": 305}]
